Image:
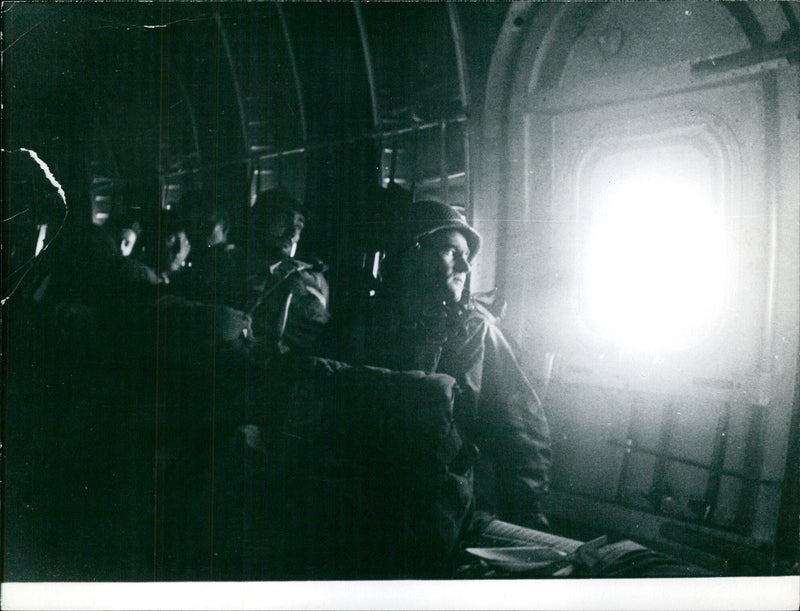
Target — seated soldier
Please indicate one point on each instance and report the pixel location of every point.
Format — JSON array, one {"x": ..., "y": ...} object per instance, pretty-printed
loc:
[
  {"x": 129, "y": 231},
  {"x": 288, "y": 298},
  {"x": 173, "y": 248},
  {"x": 422, "y": 319},
  {"x": 89, "y": 310},
  {"x": 126, "y": 230},
  {"x": 215, "y": 273},
  {"x": 187, "y": 306}
]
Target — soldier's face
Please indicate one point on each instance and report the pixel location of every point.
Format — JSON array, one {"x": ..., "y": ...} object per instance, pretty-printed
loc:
[
  {"x": 207, "y": 229},
  {"x": 217, "y": 235},
  {"x": 128, "y": 239},
  {"x": 178, "y": 248},
  {"x": 445, "y": 264},
  {"x": 283, "y": 231}
]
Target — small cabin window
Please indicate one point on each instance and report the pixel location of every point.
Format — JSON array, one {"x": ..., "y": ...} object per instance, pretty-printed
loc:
[{"x": 654, "y": 261}]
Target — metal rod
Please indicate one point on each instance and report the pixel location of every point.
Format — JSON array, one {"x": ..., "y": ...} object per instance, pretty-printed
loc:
[
  {"x": 749, "y": 57},
  {"x": 632, "y": 446},
  {"x": 748, "y": 22},
  {"x": 468, "y": 175},
  {"x": 335, "y": 142},
  {"x": 626, "y": 457},
  {"x": 234, "y": 78},
  {"x": 434, "y": 180},
  {"x": 786, "y": 9},
  {"x": 189, "y": 109},
  {"x": 787, "y": 529},
  {"x": 393, "y": 163},
  {"x": 661, "y": 487},
  {"x": 353, "y": 139},
  {"x": 463, "y": 81},
  {"x": 461, "y": 61},
  {"x": 752, "y": 462},
  {"x": 298, "y": 85},
  {"x": 416, "y": 170},
  {"x": 443, "y": 161},
  {"x": 772, "y": 177},
  {"x": 373, "y": 93},
  {"x": 717, "y": 462}
]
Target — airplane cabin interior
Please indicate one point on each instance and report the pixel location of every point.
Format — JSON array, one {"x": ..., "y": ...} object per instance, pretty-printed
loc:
[{"x": 632, "y": 169}]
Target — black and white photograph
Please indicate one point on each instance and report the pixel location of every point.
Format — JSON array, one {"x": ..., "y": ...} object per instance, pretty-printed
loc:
[{"x": 400, "y": 305}]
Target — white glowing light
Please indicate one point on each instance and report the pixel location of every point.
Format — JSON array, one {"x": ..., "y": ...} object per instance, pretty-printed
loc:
[{"x": 656, "y": 264}]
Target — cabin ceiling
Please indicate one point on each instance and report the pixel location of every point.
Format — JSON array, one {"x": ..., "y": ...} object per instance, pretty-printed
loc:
[{"x": 143, "y": 84}]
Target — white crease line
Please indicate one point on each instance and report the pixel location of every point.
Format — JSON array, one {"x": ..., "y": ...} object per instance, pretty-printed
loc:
[
  {"x": 48, "y": 174},
  {"x": 52, "y": 179},
  {"x": 13, "y": 216}
]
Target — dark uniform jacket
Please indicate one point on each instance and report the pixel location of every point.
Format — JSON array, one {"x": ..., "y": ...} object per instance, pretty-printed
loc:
[
  {"x": 216, "y": 276},
  {"x": 497, "y": 408},
  {"x": 288, "y": 301}
]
